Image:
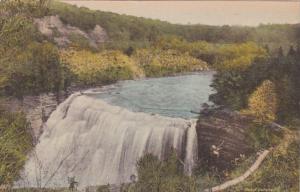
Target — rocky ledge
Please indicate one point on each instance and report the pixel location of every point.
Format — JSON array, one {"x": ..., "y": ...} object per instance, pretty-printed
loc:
[
  {"x": 36, "y": 108},
  {"x": 222, "y": 138}
]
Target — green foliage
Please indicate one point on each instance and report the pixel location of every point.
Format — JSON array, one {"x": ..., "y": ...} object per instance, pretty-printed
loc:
[
  {"x": 238, "y": 57},
  {"x": 119, "y": 28},
  {"x": 27, "y": 65},
  {"x": 198, "y": 49},
  {"x": 279, "y": 172},
  {"x": 79, "y": 41},
  {"x": 165, "y": 176},
  {"x": 15, "y": 143},
  {"x": 223, "y": 57},
  {"x": 31, "y": 70},
  {"x": 286, "y": 76},
  {"x": 261, "y": 136},
  {"x": 228, "y": 86},
  {"x": 234, "y": 87},
  {"x": 29, "y": 8},
  {"x": 17, "y": 31},
  {"x": 122, "y": 28}
]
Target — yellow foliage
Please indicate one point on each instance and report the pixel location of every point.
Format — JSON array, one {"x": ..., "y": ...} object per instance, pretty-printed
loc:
[
  {"x": 263, "y": 102},
  {"x": 109, "y": 66},
  {"x": 167, "y": 62},
  {"x": 106, "y": 66},
  {"x": 238, "y": 56}
]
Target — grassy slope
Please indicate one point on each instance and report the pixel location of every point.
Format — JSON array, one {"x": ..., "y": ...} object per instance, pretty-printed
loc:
[{"x": 279, "y": 172}]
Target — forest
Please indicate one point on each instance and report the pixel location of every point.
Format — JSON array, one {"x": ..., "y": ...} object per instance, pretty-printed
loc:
[{"x": 257, "y": 73}]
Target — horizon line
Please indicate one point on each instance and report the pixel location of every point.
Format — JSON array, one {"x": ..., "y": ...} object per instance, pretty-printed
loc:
[{"x": 190, "y": 0}]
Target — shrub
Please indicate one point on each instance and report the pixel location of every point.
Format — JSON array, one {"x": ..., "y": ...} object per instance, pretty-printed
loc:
[
  {"x": 107, "y": 66},
  {"x": 279, "y": 172},
  {"x": 167, "y": 62},
  {"x": 15, "y": 142},
  {"x": 167, "y": 176}
]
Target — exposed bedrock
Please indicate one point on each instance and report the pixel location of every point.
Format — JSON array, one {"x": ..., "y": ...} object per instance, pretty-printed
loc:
[{"x": 222, "y": 138}]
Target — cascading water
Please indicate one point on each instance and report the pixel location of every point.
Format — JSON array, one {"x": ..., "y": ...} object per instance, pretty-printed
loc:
[{"x": 99, "y": 143}]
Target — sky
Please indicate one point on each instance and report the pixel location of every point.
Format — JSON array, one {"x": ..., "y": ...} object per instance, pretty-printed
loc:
[{"x": 247, "y": 13}]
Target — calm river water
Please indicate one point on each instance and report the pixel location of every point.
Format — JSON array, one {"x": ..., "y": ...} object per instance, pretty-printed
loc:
[{"x": 168, "y": 96}]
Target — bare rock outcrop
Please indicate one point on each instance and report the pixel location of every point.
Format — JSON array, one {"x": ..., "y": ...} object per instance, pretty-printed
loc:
[
  {"x": 36, "y": 108},
  {"x": 222, "y": 138},
  {"x": 63, "y": 34}
]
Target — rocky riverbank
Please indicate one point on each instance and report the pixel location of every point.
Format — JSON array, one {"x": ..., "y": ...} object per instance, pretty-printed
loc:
[
  {"x": 222, "y": 138},
  {"x": 226, "y": 138}
]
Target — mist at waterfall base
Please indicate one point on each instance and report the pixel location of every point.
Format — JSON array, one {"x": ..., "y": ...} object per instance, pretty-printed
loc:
[{"x": 98, "y": 136}]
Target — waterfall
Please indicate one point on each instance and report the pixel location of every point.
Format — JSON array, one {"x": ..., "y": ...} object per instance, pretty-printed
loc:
[
  {"x": 191, "y": 149},
  {"x": 98, "y": 143}
]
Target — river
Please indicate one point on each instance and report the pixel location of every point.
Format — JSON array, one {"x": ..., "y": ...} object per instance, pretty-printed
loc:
[
  {"x": 99, "y": 135},
  {"x": 167, "y": 96}
]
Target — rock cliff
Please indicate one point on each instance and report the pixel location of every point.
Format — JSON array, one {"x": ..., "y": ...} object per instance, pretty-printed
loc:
[
  {"x": 222, "y": 138},
  {"x": 63, "y": 35}
]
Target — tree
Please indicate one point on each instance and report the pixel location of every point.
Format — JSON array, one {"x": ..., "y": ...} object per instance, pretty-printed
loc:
[
  {"x": 149, "y": 173},
  {"x": 34, "y": 70},
  {"x": 46, "y": 68},
  {"x": 263, "y": 102},
  {"x": 28, "y": 65},
  {"x": 162, "y": 175}
]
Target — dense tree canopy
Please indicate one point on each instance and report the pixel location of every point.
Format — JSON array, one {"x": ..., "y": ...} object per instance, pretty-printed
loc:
[
  {"x": 234, "y": 87},
  {"x": 122, "y": 28}
]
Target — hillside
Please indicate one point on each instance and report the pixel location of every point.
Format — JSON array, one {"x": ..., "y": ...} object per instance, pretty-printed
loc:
[{"x": 124, "y": 28}]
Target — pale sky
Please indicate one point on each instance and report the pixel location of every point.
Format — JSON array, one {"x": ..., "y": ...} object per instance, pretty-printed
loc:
[{"x": 250, "y": 13}]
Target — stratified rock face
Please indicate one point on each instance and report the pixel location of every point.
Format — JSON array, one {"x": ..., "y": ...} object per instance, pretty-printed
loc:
[{"x": 222, "y": 138}]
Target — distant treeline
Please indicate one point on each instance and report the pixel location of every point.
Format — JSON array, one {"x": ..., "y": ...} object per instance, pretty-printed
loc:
[{"x": 123, "y": 28}]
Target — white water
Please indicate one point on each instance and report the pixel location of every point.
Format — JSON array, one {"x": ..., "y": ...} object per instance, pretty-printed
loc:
[
  {"x": 99, "y": 143},
  {"x": 91, "y": 139}
]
